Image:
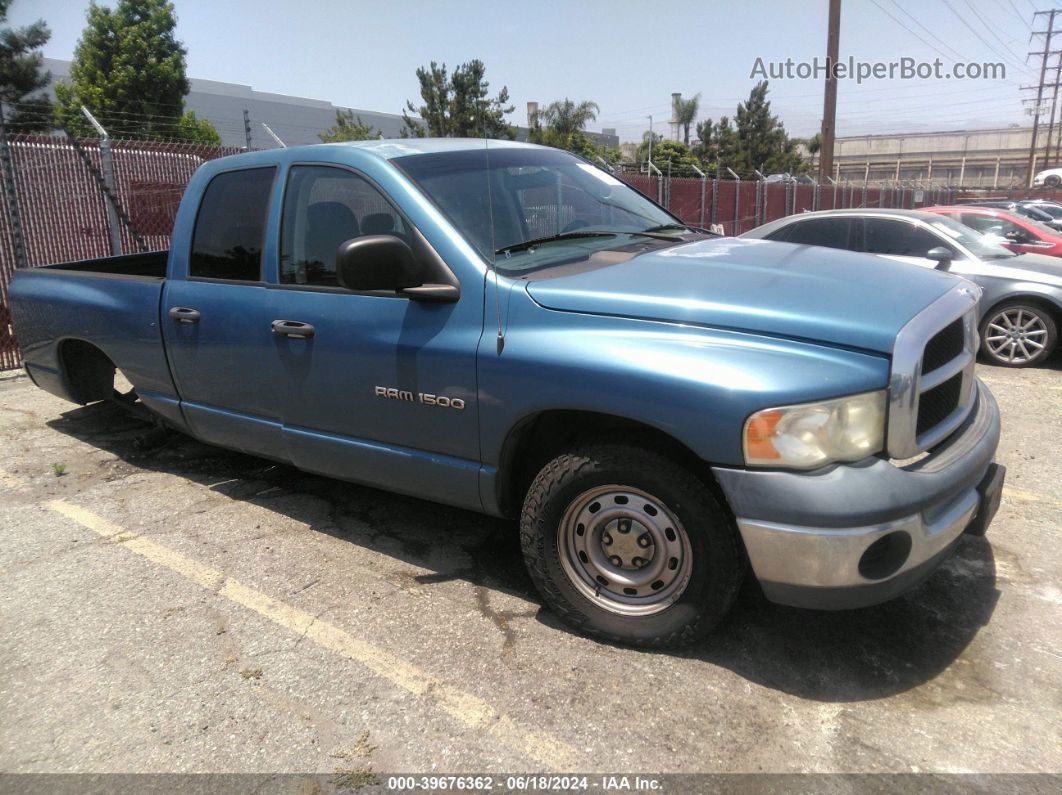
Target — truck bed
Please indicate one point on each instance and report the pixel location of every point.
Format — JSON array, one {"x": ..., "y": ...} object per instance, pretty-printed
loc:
[
  {"x": 110, "y": 304},
  {"x": 151, "y": 264}
]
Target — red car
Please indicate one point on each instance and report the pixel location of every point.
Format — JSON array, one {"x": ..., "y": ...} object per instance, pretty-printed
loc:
[{"x": 1016, "y": 232}]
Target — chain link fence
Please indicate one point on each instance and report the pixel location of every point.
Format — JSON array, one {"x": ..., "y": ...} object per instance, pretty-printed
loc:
[{"x": 54, "y": 204}]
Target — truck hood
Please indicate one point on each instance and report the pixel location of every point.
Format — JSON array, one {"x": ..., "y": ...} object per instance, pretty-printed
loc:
[{"x": 760, "y": 286}]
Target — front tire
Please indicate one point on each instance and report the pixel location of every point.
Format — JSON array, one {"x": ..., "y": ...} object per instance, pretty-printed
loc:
[
  {"x": 1053, "y": 181},
  {"x": 1017, "y": 334},
  {"x": 626, "y": 545}
]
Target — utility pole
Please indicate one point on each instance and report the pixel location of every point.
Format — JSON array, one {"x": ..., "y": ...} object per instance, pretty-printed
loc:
[
  {"x": 247, "y": 128},
  {"x": 1038, "y": 107},
  {"x": 1054, "y": 105},
  {"x": 829, "y": 103}
]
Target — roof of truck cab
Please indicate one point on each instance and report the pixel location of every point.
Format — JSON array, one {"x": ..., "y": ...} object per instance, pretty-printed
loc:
[{"x": 391, "y": 148}]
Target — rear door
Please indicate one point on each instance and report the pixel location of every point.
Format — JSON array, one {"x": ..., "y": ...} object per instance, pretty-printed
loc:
[
  {"x": 383, "y": 388},
  {"x": 216, "y": 321}
]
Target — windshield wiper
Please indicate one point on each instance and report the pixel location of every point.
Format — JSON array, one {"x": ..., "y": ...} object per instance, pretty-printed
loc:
[
  {"x": 665, "y": 227},
  {"x": 551, "y": 238}
]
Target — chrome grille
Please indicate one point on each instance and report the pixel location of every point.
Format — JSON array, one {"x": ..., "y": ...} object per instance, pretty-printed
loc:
[{"x": 932, "y": 388}]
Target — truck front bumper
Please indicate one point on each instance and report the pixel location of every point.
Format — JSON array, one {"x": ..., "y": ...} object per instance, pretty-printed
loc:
[{"x": 853, "y": 535}]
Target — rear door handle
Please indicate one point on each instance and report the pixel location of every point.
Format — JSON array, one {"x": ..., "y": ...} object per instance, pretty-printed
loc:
[
  {"x": 183, "y": 314},
  {"x": 292, "y": 328}
]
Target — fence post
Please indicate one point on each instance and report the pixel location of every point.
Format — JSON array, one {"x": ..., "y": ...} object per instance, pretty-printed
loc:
[
  {"x": 659, "y": 181},
  {"x": 10, "y": 188},
  {"x": 737, "y": 201},
  {"x": 715, "y": 194},
  {"x": 757, "y": 215},
  {"x": 704, "y": 180},
  {"x": 667, "y": 205},
  {"x": 107, "y": 167}
]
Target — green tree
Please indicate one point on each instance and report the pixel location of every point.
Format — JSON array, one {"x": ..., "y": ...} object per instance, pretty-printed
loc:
[
  {"x": 686, "y": 114},
  {"x": 642, "y": 152},
  {"x": 129, "y": 70},
  {"x": 458, "y": 105},
  {"x": 349, "y": 128},
  {"x": 192, "y": 128},
  {"x": 25, "y": 107},
  {"x": 560, "y": 125},
  {"x": 566, "y": 117},
  {"x": 677, "y": 155},
  {"x": 764, "y": 144}
]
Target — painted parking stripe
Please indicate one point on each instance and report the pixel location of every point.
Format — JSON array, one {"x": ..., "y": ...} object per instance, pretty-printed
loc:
[
  {"x": 464, "y": 707},
  {"x": 1025, "y": 495}
]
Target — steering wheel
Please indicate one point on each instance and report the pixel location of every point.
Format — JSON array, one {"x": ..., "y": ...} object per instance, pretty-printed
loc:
[{"x": 578, "y": 223}]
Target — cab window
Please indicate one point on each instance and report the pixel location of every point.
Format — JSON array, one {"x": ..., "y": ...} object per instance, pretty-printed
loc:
[
  {"x": 230, "y": 227},
  {"x": 323, "y": 208}
]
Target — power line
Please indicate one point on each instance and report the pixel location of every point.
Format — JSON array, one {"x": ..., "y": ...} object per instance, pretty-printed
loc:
[{"x": 970, "y": 27}]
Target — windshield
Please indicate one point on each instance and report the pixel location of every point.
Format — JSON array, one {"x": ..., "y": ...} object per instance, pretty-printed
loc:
[
  {"x": 533, "y": 195},
  {"x": 1052, "y": 210},
  {"x": 981, "y": 246}
]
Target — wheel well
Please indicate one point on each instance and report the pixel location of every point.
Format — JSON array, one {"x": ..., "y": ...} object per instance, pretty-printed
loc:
[
  {"x": 1053, "y": 309},
  {"x": 87, "y": 371},
  {"x": 537, "y": 439}
]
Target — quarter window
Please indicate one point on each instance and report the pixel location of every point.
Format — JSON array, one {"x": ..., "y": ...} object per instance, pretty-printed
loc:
[
  {"x": 323, "y": 208},
  {"x": 230, "y": 227}
]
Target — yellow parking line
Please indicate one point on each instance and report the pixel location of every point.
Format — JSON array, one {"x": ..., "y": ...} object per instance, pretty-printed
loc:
[
  {"x": 1029, "y": 496},
  {"x": 464, "y": 707}
]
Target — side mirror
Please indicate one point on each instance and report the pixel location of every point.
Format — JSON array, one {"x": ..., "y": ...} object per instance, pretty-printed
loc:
[
  {"x": 1014, "y": 236},
  {"x": 942, "y": 255},
  {"x": 377, "y": 262}
]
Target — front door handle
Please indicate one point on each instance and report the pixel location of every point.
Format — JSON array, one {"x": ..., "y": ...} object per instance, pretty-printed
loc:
[
  {"x": 292, "y": 328},
  {"x": 183, "y": 314}
]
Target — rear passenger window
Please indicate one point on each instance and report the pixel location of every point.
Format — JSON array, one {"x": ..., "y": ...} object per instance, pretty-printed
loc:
[
  {"x": 323, "y": 208},
  {"x": 230, "y": 227},
  {"x": 829, "y": 232},
  {"x": 898, "y": 238}
]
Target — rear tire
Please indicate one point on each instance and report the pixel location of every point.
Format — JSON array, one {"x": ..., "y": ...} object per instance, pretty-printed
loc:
[
  {"x": 627, "y": 546},
  {"x": 1018, "y": 334}
]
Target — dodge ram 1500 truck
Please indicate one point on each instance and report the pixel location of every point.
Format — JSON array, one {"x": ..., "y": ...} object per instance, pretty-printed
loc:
[{"x": 509, "y": 329}]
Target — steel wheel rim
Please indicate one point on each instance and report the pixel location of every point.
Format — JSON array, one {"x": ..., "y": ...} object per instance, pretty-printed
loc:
[
  {"x": 1016, "y": 335},
  {"x": 624, "y": 550}
]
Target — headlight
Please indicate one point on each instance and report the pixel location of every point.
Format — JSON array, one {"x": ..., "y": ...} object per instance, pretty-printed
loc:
[{"x": 811, "y": 435}]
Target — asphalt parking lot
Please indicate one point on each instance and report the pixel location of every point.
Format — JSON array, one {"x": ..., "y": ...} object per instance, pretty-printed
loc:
[{"x": 188, "y": 609}]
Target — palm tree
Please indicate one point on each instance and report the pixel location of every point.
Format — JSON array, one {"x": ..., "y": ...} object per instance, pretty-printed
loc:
[
  {"x": 566, "y": 117},
  {"x": 686, "y": 114}
]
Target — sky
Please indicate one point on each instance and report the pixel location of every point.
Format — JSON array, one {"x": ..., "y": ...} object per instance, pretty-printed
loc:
[{"x": 626, "y": 56}]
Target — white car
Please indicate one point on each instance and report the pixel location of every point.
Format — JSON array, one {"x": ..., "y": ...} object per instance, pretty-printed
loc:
[{"x": 1049, "y": 178}]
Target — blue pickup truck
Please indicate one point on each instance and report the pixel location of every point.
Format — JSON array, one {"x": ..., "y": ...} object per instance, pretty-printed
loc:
[{"x": 509, "y": 329}]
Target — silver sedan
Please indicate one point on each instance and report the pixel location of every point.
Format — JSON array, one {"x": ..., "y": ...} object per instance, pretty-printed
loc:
[{"x": 1021, "y": 305}]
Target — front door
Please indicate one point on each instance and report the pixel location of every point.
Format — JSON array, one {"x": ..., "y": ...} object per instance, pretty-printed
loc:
[{"x": 377, "y": 388}]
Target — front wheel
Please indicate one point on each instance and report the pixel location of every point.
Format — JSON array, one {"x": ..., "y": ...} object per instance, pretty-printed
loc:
[
  {"x": 1017, "y": 334},
  {"x": 1053, "y": 181},
  {"x": 626, "y": 545}
]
